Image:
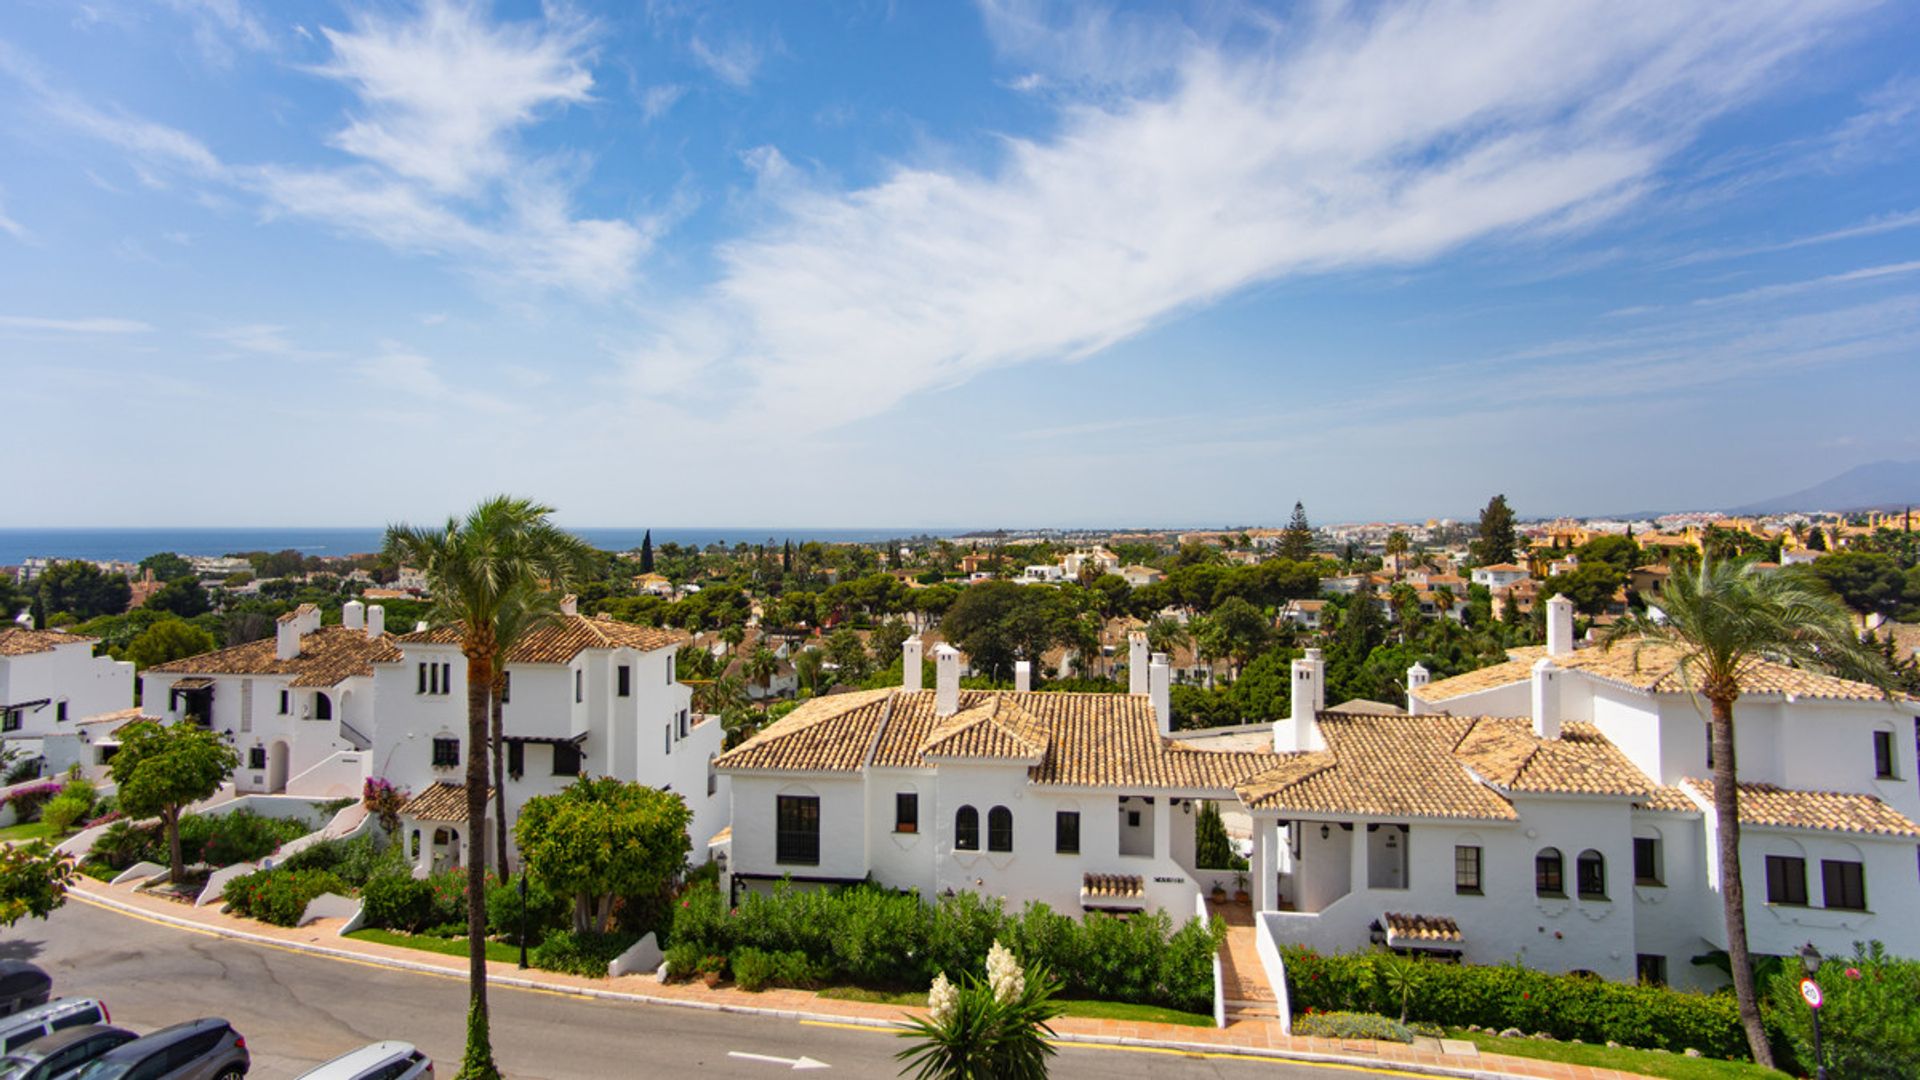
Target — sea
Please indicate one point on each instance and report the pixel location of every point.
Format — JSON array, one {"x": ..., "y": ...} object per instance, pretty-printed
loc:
[{"x": 132, "y": 545}]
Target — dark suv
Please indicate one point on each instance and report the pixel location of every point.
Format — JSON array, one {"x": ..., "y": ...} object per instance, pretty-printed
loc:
[{"x": 197, "y": 1050}]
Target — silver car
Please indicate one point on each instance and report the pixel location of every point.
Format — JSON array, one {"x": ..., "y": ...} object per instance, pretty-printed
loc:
[
  {"x": 60, "y": 1014},
  {"x": 197, "y": 1050},
  {"x": 392, "y": 1060},
  {"x": 62, "y": 1052}
]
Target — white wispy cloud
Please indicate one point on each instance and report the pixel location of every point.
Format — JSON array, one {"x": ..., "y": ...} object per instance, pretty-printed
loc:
[
  {"x": 220, "y": 27},
  {"x": 733, "y": 60},
  {"x": 400, "y": 372},
  {"x": 11, "y": 227},
  {"x": 73, "y": 326},
  {"x": 1354, "y": 139},
  {"x": 1789, "y": 288},
  {"x": 1874, "y": 226}
]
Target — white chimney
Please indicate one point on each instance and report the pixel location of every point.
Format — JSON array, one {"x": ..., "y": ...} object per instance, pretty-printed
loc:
[
  {"x": 1559, "y": 626},
  {"x": 1417, "y": 677},
  {"x": 1309, "y": 696},
  {"x": 1160, "y": 691},
  {"x": 286, "y": 638},
  {"x": 353, "y": 615},
  {"x": 376, "y": 621},
  {"x": 910, "y": 660},
  {"x": 1137, "y": 662},
  {"x": 946, "y": 680},
  {"x": 1023, "y": 676},
  {"x": 1546, "y": 699},
  {"x": 569, "y": 605}
]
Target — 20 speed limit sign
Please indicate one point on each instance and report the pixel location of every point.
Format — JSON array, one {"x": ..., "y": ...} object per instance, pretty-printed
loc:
[{"x": 1811, "y": 991}]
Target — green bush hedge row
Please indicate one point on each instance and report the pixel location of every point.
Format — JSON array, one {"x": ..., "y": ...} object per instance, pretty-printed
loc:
[
  {"x": 874, "y": 937},
  {"x": 579, "y": 954},
  {"x": 1348, "y": 1025},
  {"x": 1564, "y": 1006},
  {"x": 280, "y": 897}
]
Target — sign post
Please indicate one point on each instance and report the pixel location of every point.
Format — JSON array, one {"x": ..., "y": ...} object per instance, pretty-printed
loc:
[{"x": 1810, "y": 990}]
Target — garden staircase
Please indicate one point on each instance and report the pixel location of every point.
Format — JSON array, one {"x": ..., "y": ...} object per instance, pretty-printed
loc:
[{"x": 1243, "y": 981}]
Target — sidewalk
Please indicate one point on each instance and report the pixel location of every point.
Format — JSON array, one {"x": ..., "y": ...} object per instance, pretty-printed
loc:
[{"x": 1260, "y": 1037}]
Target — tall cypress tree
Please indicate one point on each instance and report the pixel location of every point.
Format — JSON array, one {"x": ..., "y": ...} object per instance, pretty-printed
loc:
[
  {"x": 1497, "y": 541},
  {"x": 1297, "y": 542},
  {"x": 646, "y": 552},
  {"x": 786, "y": 556}
]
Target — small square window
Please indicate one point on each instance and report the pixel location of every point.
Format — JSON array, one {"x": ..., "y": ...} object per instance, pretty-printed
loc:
[
  {"x": 1466, "y": 870},
  {"x": 566, "y": 759},
  {"x": 1843, "y": 884},
  {"x": 1652, "y": 969},
  {"x": 906, "y": 812},
  {"x": 446, "y": 753},
  {"x": 1787, "y": 880},
  {"x": 257, "y": 757},
  {"x": 1646, "y": 861}
]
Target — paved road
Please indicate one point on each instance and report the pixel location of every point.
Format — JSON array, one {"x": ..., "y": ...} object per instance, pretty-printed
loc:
[{"x": 297, "y": 1010}]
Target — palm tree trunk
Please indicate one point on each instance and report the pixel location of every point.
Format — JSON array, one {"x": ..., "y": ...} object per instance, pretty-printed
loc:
[
  {"x": 1733, "y": 893},
  {"x": 499, "y": 777},
  {"x": 178, "y": 863},
  {"x": 478, "y": 1063}
]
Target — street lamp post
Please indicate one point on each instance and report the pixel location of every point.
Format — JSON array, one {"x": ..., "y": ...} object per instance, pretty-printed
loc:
[
  {"x": 1810, "y": 990},
  {"x": 523, "y": 928}
]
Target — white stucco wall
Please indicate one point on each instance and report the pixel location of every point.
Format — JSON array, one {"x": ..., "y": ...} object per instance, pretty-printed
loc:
[{"x": 69, "y": 674}]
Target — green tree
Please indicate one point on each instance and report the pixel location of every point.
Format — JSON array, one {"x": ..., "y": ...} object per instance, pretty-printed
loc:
[
  {"x": 1869, "y": 583},
  {"x": 1211, "y": 849},
  {"x": 646, "y": 552},
  {"x": 761, "y": 665},
  {"x": 474, "y": 567},
  {"x": 848, "y": 654},
  {"x": 807, "y": 668},
  {"x": 12, "y": 599},
  {"x": 887, "y": 639},
  {"x": 1296, "y": 542},
  {"x": 168, "y": 639},
  {"x": 1591, "y": 586},
  {"x": 603, "y": 839},
  {"x": 1721, "y": 621},
  {"x": 1816, "y": 539},
  {"x": 34, "y": 879},
  {"x": 1264, "y": 690},
  {"x": 1619, "y": 552},
  {"x": 184, "y": 598},
  {"x": 1246, "y": 630},
  {"x": 161, "y": 771},
  {"x": 998, "y": 622},
  {"x": 167, "y": 566},
  {"x": 1497, "y": 541},
  {"x": 1398, "y": 543},
  {"x": 1166, "y": 635},
  {"x": 83, "y": 590}
]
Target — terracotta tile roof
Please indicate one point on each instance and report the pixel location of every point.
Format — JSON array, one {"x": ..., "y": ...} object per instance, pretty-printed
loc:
[
  {"x": 440, "y": 802},
  {"x": 561, "y": 639},
  {"x": 1421, "y": 927},
  {"x": 297, "y": 613},
  {"x": 1581, "y": 762},
  {"x": 1831, "y": 811},
  {"x": 1363, "y": 707},
  {"x": 1112, "y": 886},
  {"x": 1381, "y": 766},
  {"x": 326, "y": 656},
  {"x": 1085, "y": 740},
  {"x": 1652, "y": 668},
  {"x": 1673, "y": 800},
  {"x": 21, "y": 641},
  {"x": 1505, "y": 567}
]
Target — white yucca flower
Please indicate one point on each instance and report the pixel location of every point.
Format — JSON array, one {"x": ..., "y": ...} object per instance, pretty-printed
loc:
[
  {"x": 942, "y": 999},
  {"x": 1004, "y": 973}
]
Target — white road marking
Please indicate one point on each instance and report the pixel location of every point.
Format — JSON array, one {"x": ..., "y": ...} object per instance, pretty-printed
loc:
[{"x": 791, "y": 1063}]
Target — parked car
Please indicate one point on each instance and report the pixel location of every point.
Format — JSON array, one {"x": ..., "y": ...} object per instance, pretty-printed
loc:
[
  {"x": 62, "y": 1052},
  {"x": 207, "y": 1049},
  {"x": 22, "y": 986},
  {"x": 40, "y": 1021},
  {"x": 392, "y": 1060}
]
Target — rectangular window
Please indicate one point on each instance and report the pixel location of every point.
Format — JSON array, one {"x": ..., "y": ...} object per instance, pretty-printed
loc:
[
  {"x": 60, "y": 713},
  {"x": 683, "y": 723},
  {"x": 797, "y": 830},
  {"x": 906, "y": 812},
  {"x": 257, "y": 757},
  {"x": 1646, "y": 861},
  {"x": 516, "y": 759},
  {"x": 1883, "y": 755},
  {"x": 566, "y": 759},
  {"x": 1466, "y": 870},
  {"x": 286, "y": 702},
  {"x": 10, "y": 720},
  {"x": 1843, "y": 884},
  {"x": 420, "y": 669},
  {"x": 446, "y": 678},
  {"x": 1651, "y": 968},
  {"x": 1787, "y": 880},
  {"x": 506, "y": 687},
  {"x": 1548, "y": 871},
  {"x": 623, "y": 680},
  {"x": 668, "y": 732},
  {"x": 1066, "y": 832},
  {"x": 446, "y": 753},
  {"x": 579, "y": 686}
]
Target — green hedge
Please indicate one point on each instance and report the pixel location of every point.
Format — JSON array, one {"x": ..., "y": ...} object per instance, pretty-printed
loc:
[
  {"x": 400, "y": 902},
  {"x": 1564, "y": 1006},
  {"x": 877, "y": 938},
  {"x": 1870, "y": 1021},
  {"x": 280, "y": 897},
  {"x": 580, "y": 954},
  {"x": 1347, "y": 1025}
]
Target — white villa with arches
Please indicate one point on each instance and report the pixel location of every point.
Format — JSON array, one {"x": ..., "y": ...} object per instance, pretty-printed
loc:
[{"x": 1551, "y": 810}]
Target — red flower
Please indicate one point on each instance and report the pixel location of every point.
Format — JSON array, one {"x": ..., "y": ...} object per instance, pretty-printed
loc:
[
  {"x": 1853, "y": 973},
  {"x": 1526, "y": 995}
]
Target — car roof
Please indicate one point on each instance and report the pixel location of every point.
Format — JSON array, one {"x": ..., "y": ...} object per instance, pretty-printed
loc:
[
  {"x": 15, "y": 967},
  {"x": 26, "y": 1017},
  {"x": 371, "y": 1054},
  {"x": 145, "y": 1044},
  {"x": 48, "y": 1045}
]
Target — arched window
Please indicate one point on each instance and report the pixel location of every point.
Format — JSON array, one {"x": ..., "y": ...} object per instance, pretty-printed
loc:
[
  {"x": 1549, "y": 873},
  {"x": 966, "y": 829},
  {"x": 1590, "y": 875},
  {"x": 322, "y": 707},
  {"x": 999, "y": 829}
]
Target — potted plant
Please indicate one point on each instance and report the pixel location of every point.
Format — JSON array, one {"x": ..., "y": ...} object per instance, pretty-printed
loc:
[
  {"x": 1219, "y": 892},
  {"x": 1240, "y": 887}
]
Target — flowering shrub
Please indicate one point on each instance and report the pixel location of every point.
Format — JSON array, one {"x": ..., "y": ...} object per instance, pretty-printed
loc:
[
  {"x": 1868, "y": 1024},
  {"x": 27, "y": 801},
  {"x": 383, "y": 801},
  {"x": 1347, "y": 1025},
  {"x": 242, "y": 836},
  {"x": 279, "y": 897},
  {"x": 1564, "y": 1006},
  {"x": 998, "y": 1028}
]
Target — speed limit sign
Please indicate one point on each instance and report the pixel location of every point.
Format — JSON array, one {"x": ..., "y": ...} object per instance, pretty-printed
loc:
[{"x": 1811, "y": 991}]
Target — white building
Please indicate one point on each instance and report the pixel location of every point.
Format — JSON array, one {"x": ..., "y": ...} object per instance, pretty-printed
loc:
[
  {"x": 1139, "y": 577},
  {"x": 1042, "y": 573},
  {"x": 49, "y": 680},
  {"x": 1304, "y": 613},
  {"x": 1499, "y": 575},
  {"x": 1102, "y": 560},
  {"x": 317, "y": 710},
  {"x": 1551, "y": 809}
]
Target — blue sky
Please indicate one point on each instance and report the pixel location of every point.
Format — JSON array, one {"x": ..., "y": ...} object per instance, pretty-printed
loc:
[{"x": 906, "y": 264}]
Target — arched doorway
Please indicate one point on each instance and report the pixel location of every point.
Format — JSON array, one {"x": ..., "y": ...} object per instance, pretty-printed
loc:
[{"x": 277, "y": 756}]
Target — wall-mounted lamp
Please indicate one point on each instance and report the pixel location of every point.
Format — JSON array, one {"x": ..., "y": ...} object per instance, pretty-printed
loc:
[{"x": 1325, "y": 832}]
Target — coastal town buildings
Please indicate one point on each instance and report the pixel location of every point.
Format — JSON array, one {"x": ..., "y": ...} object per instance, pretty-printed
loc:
[{"x": 51, "y": 680}]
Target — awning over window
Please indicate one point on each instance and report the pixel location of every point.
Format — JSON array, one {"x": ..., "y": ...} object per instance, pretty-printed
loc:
[
  {"x": 193, "y": 683},
  {"x": 1422, "y": 932},
  {"x": 546, "y": 740}
]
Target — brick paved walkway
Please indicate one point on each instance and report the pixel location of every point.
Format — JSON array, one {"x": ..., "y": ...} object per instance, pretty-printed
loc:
[{"x": 1250, "y": 1033}]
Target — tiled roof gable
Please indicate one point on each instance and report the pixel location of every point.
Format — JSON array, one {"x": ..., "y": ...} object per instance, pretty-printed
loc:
[
  {"x": 327, "y": 656},
  {"x": 22, "y": 641}
]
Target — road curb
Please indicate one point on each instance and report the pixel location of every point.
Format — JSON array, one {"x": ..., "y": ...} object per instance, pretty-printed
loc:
[{"x": 87, "y": 895}]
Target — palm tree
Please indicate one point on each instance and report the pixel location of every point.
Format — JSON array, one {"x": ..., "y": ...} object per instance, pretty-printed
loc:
[
  {"x": 1722, "y": 621},
  {"x": 523, "y": 611},
  {"x": 476, "y": 567},
  {"x": 1166, "y": 635},
  {"x": 716, "y": 696},
  {"x": 761, "y": 665}
]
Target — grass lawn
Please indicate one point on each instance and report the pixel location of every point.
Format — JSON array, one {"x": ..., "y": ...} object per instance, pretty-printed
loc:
[
  {"x": 1094, "y": 1010},
  {"x": 32, "y": 830},
  {"x": 1623, "y": 1059},
  {"x": 496, "y": 950}
]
